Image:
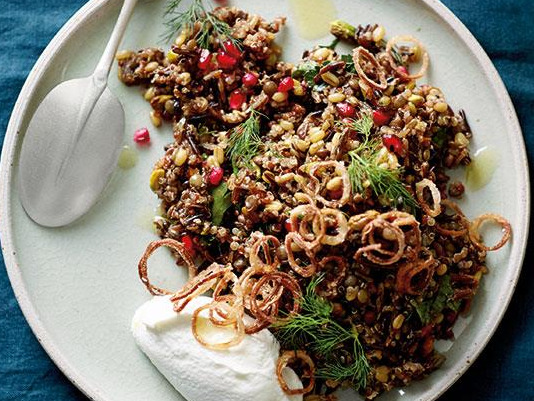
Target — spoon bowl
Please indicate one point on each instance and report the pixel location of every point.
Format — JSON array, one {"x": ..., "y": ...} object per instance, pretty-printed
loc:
[{"x": 66, "y": 159}]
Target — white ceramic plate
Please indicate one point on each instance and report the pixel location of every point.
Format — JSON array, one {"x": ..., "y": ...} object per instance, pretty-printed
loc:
[{"x": 78, "y": 285}]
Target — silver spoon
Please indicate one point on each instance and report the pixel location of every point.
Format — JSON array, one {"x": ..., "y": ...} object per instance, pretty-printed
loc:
[{"x": 73, "y": 142}]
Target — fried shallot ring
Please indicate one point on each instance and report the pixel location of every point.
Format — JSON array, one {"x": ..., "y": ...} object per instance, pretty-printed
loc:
[
  {"x": 408, "y": 38},
  {"x": 435, "y": 210},
  {"x": 303, "y": 214},
  {"x": 463, "y": 221},
  {"x": 284, "y": 360},
  {"x": 413, "y": 277},
  {"x": 262, "y": 244},
  {"x": 295, "y": 238},
  {"x": 198, "y": 285},
  {"x": 410, "y": 227},
  {"x": 178, "y": 247},
  {"x": 341, "y": 227},
  {"x": 266, "y": 310},
  {"x": 313, "y": 186},
  {"x": 390, "y": 234},
  {"x": 361, "y": 52},
  {"x": 238, "y": 326},
  {"x": 476, "y": 239}
]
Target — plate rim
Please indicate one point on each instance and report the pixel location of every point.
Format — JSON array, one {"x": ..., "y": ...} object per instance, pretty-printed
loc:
[{"x": 13, "y": 133}]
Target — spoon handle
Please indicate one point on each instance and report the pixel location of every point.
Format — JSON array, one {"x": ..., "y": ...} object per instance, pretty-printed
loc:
[{"x": 104, "y": 65}]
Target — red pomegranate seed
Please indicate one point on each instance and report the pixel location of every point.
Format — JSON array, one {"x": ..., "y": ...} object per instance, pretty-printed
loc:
[
  {"x": 345, "y": 110},
  {"x": 237, "y": 98},
  {"x": 402, "y": 70},
  {"x": 250, "y": 79},
  {"x": 216, "y": 175},
  {"x": 188, "y": 243},
  {"x": 230, "y": 48},
  {"x": 380, "y": 117},
  {"x": 288, "y": 226},
  {"x": 392, "y": 143},
  {"x": 286, "y": 84},
  {"x": 225, "y": 60},
  {"x": 426, "y": 330},
  {"x": 205, "y": 59},
  {"x": 141, "y": 136}
]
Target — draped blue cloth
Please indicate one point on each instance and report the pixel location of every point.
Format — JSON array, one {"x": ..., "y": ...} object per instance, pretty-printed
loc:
[{"x": 502, "y": 372}]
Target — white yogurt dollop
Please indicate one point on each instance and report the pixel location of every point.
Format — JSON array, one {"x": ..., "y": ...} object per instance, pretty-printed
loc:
[{"x": 244, "y": 372}]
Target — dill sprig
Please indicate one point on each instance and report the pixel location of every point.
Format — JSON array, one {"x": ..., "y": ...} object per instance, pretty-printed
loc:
[
  {"x": 364, "y": 169},
  {"x": 314, "y": 328},
  {"x": 196, "y": 13},
  {"x": 245, "y": 142}
]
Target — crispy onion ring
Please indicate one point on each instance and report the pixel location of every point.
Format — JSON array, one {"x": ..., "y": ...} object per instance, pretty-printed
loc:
[
  {"x": 151, "y": 248},
  {"x": 238, "y": 327},
  {"x": 413, "y": 277},
  {"x": 262, "y": 244},
  {"x": 463, "y": 221},
  {"x": 283, "y": 362},
  {"x": 390, "y": 235},
  {"x": 271, "y": 288},
  {"x": 198, "y": 285},
  {"x": 314, "y": 186},
  {"x": 341, "y": 226},
  {"x": 434, "y": 192},
  {"x": 408, "y": 38},
  {"x": 410, "y": 227},
  {"x": 474, "y": 234},
  {"x": 299, "y": 218},
  {"x": 295, "y": 238},
  {"x": 357, "y": 55}
]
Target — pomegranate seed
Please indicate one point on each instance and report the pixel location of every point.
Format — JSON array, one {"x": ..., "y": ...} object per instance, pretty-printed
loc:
[
  {"x": 216, "y": 175},
  {"x": 188, "y": 243},
  {"x": 286, "y": 84},
  {"x": 425, "y": 331},
  {"x": 250, "y": 79},
  {"x": 141, "y": 136},
  {"x": 205, "y": 59},
  {"x": 288, "y": 226},
  {"x": 402, "y": 70},
  {"x": 237, "y": 98},
  {"x": 225, "y": 60},
  {"x": 392, "y": 143},
  {"x": 230, "y": 48},
  {"x": 345, "y": 110},
  {"x": 380, "y": 117}
]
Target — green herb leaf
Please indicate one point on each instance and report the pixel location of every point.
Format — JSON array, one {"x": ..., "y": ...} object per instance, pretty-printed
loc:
[
  {"x": 440, "y": 137},
  {"x": 429, "y": 309},
  {"x": 314, "y": 328},
  {"x": 365, "y": 172},
  {"x": 176, "y": 20},
  {"x": 307, "y": 71},
  {"x": 221, "y": 202},
  {"x": 245, "y": 142},
  {"x": 349, "y": 63}
]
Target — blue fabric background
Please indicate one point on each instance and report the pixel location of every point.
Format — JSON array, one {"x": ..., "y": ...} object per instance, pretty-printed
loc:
[{"x": 504, "y": 371}]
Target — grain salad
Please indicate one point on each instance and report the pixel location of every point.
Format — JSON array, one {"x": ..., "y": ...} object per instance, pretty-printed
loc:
[{"x": 313, "y": 197}]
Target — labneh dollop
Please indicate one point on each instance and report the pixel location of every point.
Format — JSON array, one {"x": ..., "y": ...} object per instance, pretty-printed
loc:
[{"x": 246, "y": 371}]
